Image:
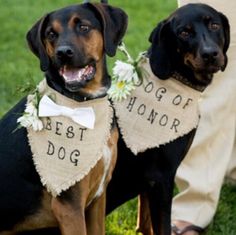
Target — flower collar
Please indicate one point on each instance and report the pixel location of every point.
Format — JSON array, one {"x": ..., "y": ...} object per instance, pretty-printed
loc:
[
  {"x": 30, "y": 118},
  {"x": 126, "y": 75}
]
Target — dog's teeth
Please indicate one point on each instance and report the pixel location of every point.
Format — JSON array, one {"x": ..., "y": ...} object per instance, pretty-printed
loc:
[
  {"x": 80, "y": 74},
  {"x": 76, "y": 75}
]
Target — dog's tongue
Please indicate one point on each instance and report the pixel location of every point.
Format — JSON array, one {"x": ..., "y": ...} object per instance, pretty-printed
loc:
[{"x": 76, "y": 75}]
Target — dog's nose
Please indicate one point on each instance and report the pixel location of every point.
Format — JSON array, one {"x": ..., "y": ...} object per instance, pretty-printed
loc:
[
  {"x": 64, "y": 52},
  {"x": 209, "y": 54}
]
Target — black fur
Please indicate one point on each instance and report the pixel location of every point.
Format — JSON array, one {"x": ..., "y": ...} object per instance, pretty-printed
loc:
[{"x": 20, "y": 186}]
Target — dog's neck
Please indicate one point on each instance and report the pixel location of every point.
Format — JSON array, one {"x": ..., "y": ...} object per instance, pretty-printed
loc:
[
  {"x": 185, "y": 80},
  {"x": 55, "y": 81}
]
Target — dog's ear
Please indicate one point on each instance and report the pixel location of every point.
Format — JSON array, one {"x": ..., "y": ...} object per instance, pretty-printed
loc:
[
  {"x": 226, "y": 29},
  {"x": 160, "y": 52},
  {"x": 114, "y": 24},
  {"x": 35, "y": 41}
]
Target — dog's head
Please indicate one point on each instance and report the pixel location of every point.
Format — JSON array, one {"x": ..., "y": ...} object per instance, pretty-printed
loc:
[
  {"x": 192, "y": 41},
  {"x": 71, "y": 44}
]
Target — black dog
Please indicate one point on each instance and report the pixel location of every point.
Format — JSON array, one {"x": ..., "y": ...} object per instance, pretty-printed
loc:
[
  {"x": 71, "y": 44},
  {"x": 192, "y": 42}
]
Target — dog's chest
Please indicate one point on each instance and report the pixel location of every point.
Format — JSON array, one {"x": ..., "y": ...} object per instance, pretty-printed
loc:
[
  {"x": 157, "y": 112},
  {"x": 102, "y": 174},
  {"x": 107, "y": 157},
  {"x": 64, "y": 152}
]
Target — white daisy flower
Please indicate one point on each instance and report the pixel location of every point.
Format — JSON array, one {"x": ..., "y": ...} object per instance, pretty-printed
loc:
[
  {"x": 25, "y": 120},
  {"x": 37, "y": 124},
  {"x": 120, "y": 90},
  {"x": 125, "y": 72},
  {"x": 30, "y": 117},
  {"x": 125, "y": 76},
  {"x": 31, "y": 109},
  {"x": 28, "y": 120}
]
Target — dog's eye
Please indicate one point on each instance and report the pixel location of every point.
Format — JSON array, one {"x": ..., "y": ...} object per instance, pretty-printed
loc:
[
  {"x": 184, "y": 34},
  {"x": 214, "y": 26},
  {"x": 83, "y": 28},
  {"x": 51, "y": 36}
]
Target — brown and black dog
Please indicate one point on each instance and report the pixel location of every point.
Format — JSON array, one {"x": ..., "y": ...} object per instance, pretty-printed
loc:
[
  {"x": 192, "y": 42},
  {"x": 72, "y": 40}
]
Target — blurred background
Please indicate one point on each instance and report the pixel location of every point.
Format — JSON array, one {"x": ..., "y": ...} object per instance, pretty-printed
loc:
[{"x": 19, "y": 67}]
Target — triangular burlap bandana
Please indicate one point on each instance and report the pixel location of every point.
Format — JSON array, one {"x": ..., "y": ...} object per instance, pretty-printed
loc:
[
  {"x": 157, "y": 112},
  {"x": 64, "y": 152}
]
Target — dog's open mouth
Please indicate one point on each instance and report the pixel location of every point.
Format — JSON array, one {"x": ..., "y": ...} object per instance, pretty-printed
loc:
[{"x": 77, "y": 77}]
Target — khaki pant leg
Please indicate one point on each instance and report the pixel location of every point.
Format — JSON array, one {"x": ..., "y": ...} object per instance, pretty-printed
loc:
[{"x": 231, "y": 171}]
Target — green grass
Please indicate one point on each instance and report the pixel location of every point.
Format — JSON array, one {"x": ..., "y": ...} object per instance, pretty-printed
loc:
[{"x": 18, "y": 66}]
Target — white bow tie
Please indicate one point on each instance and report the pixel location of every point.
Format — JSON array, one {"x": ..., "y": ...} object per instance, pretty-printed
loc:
[{"x": 82, "y": 116}]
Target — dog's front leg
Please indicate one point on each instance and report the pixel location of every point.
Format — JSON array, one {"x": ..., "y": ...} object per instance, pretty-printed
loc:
[
  {"x": 144, "y": 222},
  {"x": 71, "y": 221},
  {"x": 95, "y": 216}
]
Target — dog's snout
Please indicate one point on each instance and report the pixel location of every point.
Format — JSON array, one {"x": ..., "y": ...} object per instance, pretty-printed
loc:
[
  {"x": 209, "y": 54},
  {"x": 64, "y": 52}
]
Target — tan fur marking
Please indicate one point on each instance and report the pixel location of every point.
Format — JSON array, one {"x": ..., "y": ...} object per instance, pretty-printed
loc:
[
  {"x": 144, "y": 223},
  {"x": 74, "y": 19},
  {"x": 49, "y": 48},
  {"x": 7, "y": 233},
  {"x": 57, "y": 27},
  {"x": 94, "y": 47},
  {"x": 189, "y": 58},
  {"x": 112, "y": 144}
]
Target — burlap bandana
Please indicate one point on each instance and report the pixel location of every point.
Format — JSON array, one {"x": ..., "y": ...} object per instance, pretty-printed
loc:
[
  {"x": 157, "y": 112},
  {"x": 64, "y": 152}
]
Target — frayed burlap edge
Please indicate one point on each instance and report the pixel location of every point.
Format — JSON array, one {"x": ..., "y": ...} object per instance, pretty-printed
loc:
[
  {"x": 124, "y": 133},
  {"x": 148, "y": 146},
  {"x": 74, "y": 179}
]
